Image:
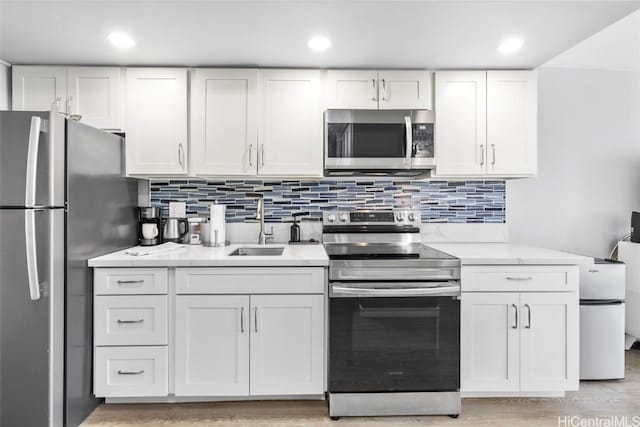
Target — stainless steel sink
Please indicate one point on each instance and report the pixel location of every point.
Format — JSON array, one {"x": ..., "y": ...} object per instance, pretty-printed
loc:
[{"x": 277, "y": 251}]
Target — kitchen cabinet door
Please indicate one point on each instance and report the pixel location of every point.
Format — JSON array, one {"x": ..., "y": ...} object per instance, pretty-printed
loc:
[
  {"x": 38, "y": 88},
  {"x": 224, "y": 122},
  {"x": 95, "y": 93},
  {"x": 212, "y": 345},
  {"x": 489, "y": 344},
  {"x": 352, "y": 89},
  {"x": 460, "y": 135},
  {"x": 287, "y": 344},
  {"x": 549, "y": 359},
  {"x": 405, "y": 90},
  {"x": 511, "y": 123},
  {"x": 290, "y": 129},
  {"x": 156, "y": 121}
]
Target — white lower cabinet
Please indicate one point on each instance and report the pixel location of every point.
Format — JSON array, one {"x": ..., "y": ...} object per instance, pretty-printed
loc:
[
  {"x": 130, "y": 371},
  {"x": 220, "y": 339},
  {"x": 519, "y": 342},
  {"x": 212, "y": 345},
  {"x": 287, "y": 340}
]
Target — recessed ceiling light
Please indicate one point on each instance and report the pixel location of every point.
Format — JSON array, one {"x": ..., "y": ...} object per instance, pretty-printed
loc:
[
  {"x": 121, "y": 40},
  {"x": 510, "y": 45},
  {"x": 319, "y": 43}
]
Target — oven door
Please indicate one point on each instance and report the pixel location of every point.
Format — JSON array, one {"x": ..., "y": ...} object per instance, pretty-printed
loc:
[
  {"x": 378, "y": 140},
  {"x": 381, "y": 343}
]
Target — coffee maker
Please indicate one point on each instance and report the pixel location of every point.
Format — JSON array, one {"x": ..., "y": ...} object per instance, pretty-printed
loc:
[{"x": 149, "y": 226}]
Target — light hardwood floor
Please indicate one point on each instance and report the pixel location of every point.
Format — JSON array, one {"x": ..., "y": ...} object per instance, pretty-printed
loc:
[{"x": 595, "y": 399}]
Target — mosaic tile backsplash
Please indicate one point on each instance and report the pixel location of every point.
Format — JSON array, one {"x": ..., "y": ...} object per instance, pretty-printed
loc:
[{"x": 439, "y": 201}]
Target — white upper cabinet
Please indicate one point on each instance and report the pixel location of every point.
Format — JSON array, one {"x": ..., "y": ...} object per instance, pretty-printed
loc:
[
  {"x": 385, "y": 90},
  {"x": 352, "y": 89},
  {"x": 224, "y": 123},
  {"x": 156, "y": 121},
  {"x": 460, "y": 128},
  {"x": 38, "y": 88},
  {"x": 405, "y": 90},
  {"x": 512, "y": 122},
  {"x": 290, "y": 123},
  {"x": 95, "y": 93},
  {"x": 287, "y": 344}
]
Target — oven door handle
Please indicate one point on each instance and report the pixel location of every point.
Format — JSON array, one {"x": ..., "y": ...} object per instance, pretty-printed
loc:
[{"x": 435, "y": 289}]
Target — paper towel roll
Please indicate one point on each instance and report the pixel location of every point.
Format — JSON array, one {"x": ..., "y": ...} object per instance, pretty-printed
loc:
[{"x": 217, "y": 225}]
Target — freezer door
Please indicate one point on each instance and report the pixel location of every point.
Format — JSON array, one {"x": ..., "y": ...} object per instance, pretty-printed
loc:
[
  {"x": 31, "y": 330},
  {"x": 32, "y": 163}
]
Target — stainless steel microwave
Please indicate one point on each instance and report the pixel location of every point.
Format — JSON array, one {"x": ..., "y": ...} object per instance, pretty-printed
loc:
[{"x": 382, "y": 142}]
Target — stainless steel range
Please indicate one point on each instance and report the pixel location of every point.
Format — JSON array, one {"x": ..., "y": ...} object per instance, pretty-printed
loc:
[{"x": 394, "y": 317}]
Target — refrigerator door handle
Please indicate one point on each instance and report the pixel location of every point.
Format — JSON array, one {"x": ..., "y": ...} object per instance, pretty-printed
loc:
[
  {"x": 32, "y": 255},
  {"x": 32, "y": 162}
]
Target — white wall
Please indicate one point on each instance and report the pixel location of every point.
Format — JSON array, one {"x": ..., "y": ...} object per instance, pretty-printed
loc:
[
  {"x": 589, "y": 163},
  {"x": 5, "y": 86}
]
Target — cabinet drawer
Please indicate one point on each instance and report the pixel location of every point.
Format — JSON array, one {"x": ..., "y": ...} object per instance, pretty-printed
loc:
[
  {"x": 126, "y": 281},
  {"x": 130, "y": 320},
  {"x": 252, "y": 280},
  {"x": 130, "y": 371},
  {"x": 530, "y": 278}
]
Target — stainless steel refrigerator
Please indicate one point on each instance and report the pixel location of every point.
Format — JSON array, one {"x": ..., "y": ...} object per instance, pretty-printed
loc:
[{"x": 63, "y": 199}]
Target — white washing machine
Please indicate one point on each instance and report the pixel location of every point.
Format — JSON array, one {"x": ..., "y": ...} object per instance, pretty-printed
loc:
[{"x": 602, "y": 306}]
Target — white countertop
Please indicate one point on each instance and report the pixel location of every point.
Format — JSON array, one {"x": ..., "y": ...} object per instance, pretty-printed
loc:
[
  {"x": 199, "y": 256},
  {"x": 504, "y": 253}
]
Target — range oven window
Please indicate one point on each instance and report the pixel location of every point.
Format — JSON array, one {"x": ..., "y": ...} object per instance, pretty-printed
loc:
[{"x": 394, "y": 344}]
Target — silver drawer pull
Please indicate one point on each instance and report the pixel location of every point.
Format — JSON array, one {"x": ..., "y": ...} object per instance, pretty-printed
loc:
[
  {"x": 129, "y": 282},
  {"x": 519, "y": 278},
  {"x": 594, "y": 271},
  {"x": 141, "y": 371},
  {"x": 130, "y": 321}
]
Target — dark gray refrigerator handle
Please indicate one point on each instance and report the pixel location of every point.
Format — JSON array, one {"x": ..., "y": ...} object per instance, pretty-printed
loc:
[
  {"x": 32, "y": 162},
  {"x": 32, "y": 254}
]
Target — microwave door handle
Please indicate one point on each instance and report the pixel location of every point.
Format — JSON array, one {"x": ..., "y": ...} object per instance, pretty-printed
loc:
[{"x": 409, "y": 140}]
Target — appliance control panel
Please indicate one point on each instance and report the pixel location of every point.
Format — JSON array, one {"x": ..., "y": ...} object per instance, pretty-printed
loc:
[{"x": 370, "y": 217}]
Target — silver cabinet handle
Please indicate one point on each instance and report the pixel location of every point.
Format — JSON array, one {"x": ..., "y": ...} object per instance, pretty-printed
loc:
[
  {"x": 32, "y": 253},
  {"x": 493, "y": 151},
  {"x": 408, "y": 129},
  {"x": 262, "y": 155},
  {"x": 515, "y": 310},
  {"x": 181, "y": 155},
  {"x": 528, "y": 316},
  {"x": 519, "y": 279},
  {"x": 141, "y": 371},
  {"x": 250, "y": 154},
  {"x": 255, "y": 319},
  {"x": 374, "y": 96},
  {"x": 481, "y": 154},
  {"x": 129, "y": 282},
  {"x": 130, "y": 321},
  {"x": 594, "y": 271},
  {"x": 55, "y": 105},
  {"x": 69, "y": 105},
  {"x": 384, "y": 90},
  {"x": 242, "y": 319}
]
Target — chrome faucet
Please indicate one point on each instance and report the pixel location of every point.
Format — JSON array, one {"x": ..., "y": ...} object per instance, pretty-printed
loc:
[{"x": 262, "y": 236}]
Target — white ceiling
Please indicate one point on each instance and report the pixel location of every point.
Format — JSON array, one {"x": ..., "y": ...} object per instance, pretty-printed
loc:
[
  {"x": 616, "y": 48},
  {"x": 394, "y": 34}
]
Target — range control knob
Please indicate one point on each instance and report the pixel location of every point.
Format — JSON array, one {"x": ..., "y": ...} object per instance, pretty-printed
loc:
[
  {"x": 411, "y": 216},
  {"x": 331, "y": 217},
  {"x": 344, "y": 217},
  {"x": 400, "y": 216}
]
